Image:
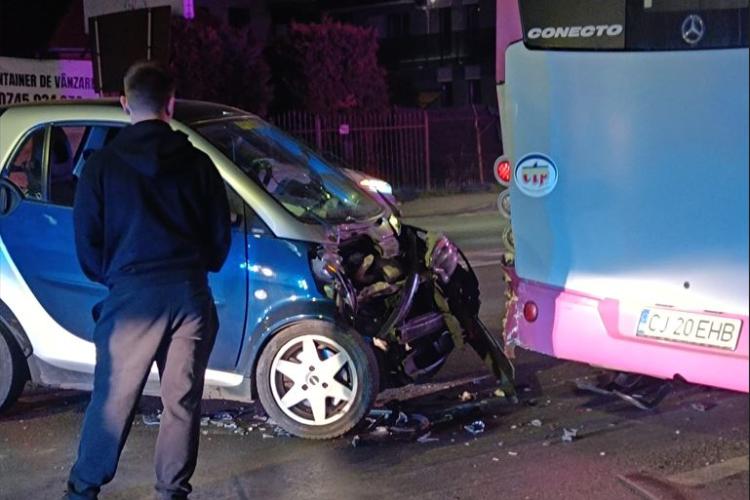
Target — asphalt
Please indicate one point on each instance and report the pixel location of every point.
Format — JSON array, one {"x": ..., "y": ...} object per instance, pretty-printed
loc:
[
  {"x": 452, "y": 204},
  {"x": 694, "y": 445}
]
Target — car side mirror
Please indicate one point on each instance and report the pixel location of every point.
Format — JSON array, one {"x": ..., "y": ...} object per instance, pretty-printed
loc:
[{"x": 10, "y": 197}]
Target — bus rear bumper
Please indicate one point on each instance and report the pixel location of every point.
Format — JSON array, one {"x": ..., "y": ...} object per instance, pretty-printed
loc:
[{"x": 576, "y": 327}]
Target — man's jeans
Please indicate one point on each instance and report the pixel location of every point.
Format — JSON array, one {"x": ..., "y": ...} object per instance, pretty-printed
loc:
[{"x": 174, "y": 325}]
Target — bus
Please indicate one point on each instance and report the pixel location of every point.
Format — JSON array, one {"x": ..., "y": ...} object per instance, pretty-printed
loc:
[{"x": 625, "y": 134}]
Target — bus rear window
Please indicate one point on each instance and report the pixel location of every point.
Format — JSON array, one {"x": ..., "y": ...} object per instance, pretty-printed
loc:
[{"x": 634, "y": 24}]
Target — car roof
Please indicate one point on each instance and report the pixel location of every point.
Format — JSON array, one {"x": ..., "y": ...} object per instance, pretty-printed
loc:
[{"x": 186, "y": 111}]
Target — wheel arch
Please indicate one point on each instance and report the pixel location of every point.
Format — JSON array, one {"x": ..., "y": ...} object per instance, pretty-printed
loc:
[
  {"x": 267, "y": 339},
  {"x": 9, "y": 322},
  {"x": 10, "y": 325}
]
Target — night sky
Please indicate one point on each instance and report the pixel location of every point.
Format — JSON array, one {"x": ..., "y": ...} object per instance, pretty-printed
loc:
[{"x": 23, "y": 31}]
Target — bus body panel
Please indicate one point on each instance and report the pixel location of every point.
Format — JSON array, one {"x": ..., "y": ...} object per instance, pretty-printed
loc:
[
  {"x": 651, "y": 204},
  {"x": 601, "y": 332}
]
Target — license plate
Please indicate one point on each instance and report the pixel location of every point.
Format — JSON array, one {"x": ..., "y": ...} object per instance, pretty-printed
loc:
[{"x": 700, "y": 329}]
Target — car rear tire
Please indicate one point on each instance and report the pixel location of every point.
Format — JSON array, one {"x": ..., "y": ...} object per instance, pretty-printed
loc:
[
  {"x": 317, "y": 380},
  {"x": 13, "y": 372}
]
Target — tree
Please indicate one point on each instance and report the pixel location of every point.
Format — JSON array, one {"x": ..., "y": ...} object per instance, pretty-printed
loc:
[
  {"x": 328, "y": 66},
  {"x": 218, "y": 63}
]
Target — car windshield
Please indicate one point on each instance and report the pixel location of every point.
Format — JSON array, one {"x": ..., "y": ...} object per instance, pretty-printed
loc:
[{"x": 308, "y": 187}]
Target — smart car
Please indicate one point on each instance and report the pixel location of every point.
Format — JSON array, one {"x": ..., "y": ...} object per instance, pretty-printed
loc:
[{"x": 325, "y": 297}]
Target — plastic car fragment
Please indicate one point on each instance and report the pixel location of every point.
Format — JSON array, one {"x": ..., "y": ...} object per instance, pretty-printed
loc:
[
  {"x": 384, "y": 424},
  {"x": 645, "y": 393}
]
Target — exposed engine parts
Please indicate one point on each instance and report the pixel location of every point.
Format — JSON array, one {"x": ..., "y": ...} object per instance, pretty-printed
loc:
[{"x": 416, "y": 300}]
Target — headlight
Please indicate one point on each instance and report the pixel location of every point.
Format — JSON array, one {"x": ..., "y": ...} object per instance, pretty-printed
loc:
[
  {"x": 330, "y": 274},
  {"x": 395, "y": 224},
  {"x": 376, "y": 185}
]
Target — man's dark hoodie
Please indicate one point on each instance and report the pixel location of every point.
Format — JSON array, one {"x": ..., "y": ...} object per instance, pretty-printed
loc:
[{"x": 150, "y": 208}]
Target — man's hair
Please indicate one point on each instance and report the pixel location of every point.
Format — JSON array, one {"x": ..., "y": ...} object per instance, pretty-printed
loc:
[{"x": 148, "y": 87}]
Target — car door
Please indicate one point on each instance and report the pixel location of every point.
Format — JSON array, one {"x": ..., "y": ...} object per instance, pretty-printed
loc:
[
  {"x": 39, "y": 238},
  {"x": 38, "y": 234}
]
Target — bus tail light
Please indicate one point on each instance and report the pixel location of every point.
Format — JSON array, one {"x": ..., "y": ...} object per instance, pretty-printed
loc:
[
  {"x": 530, "y": 311},
  {"x": 502, "y": 170}
]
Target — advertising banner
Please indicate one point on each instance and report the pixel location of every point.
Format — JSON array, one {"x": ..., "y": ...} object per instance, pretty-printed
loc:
[{"x": 30, "y": 80}]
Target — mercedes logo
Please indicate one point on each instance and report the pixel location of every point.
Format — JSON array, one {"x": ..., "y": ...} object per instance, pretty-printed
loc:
[{"x": 693, "y": 29}]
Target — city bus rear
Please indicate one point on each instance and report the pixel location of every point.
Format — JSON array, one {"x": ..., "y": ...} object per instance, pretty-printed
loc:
[{"x": 625, "y": 125}]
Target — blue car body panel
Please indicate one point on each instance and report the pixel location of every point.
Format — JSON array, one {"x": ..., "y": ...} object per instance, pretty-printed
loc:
[
  {"x": 39, "y": 238},
  {"x": 282, "y": 289}
]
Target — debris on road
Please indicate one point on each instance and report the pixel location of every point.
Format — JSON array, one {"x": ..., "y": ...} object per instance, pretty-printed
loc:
[
  {"x": 151, "y": 419},
  {"x": 401, "y": 420},
  {"x": 475, "y": 428},
  {"x": 427, "y": 438},
  {"x": 536, "y": 423},
  {"x": 238, "y": 421},
  {"x": 585, "y": 385},
  {"x": 279, "y": 432},
  {"x": 221, "y": 418},
  {"x": 467, "y": 396},
  {"x": 702, "y": 407},
  {"x": 645, "y": 393},
  {"x": 569, "y": 434},
  {"x": 384, "y": 424}
]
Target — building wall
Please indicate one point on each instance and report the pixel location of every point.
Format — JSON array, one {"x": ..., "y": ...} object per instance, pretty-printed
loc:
[
  {"x": 240, "y": 13},
  {"x": 445, "y": 48}
]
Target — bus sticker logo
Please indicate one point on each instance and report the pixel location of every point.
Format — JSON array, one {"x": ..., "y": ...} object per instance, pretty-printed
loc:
[
  {"x": 535, "y": 175},
  {"x": 693, "y": 29}
]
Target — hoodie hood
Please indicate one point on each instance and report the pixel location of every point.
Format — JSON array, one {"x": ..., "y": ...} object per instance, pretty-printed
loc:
[{"x": 152, "y": 148}]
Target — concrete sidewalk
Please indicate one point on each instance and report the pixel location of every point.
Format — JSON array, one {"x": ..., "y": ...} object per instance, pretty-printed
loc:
[{"x": 451, "y": 204}]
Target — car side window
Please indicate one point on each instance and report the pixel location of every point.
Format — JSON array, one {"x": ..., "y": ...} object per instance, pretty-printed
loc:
[
  {"x": 70, "y": 147},
  {"x": 97, "y": 137},
  {"x": 25, "y": 168},
  {"x": 64, "y": 151}
]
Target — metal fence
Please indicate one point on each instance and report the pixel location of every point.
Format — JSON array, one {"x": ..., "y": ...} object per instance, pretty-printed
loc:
[{"x": 412, "y": 149}]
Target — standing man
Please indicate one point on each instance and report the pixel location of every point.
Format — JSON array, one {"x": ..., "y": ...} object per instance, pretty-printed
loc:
[{"x": 151, "y": 220}]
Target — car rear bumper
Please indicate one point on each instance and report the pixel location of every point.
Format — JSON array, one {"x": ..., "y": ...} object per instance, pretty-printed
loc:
[{"x": 601, "y": 332}]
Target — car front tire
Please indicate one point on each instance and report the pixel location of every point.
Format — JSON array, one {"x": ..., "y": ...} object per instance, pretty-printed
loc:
[{"x": 317, "y": 380}]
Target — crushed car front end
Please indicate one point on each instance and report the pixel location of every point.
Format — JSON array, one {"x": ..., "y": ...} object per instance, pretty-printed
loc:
[{"x": 410, "y": 295}]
